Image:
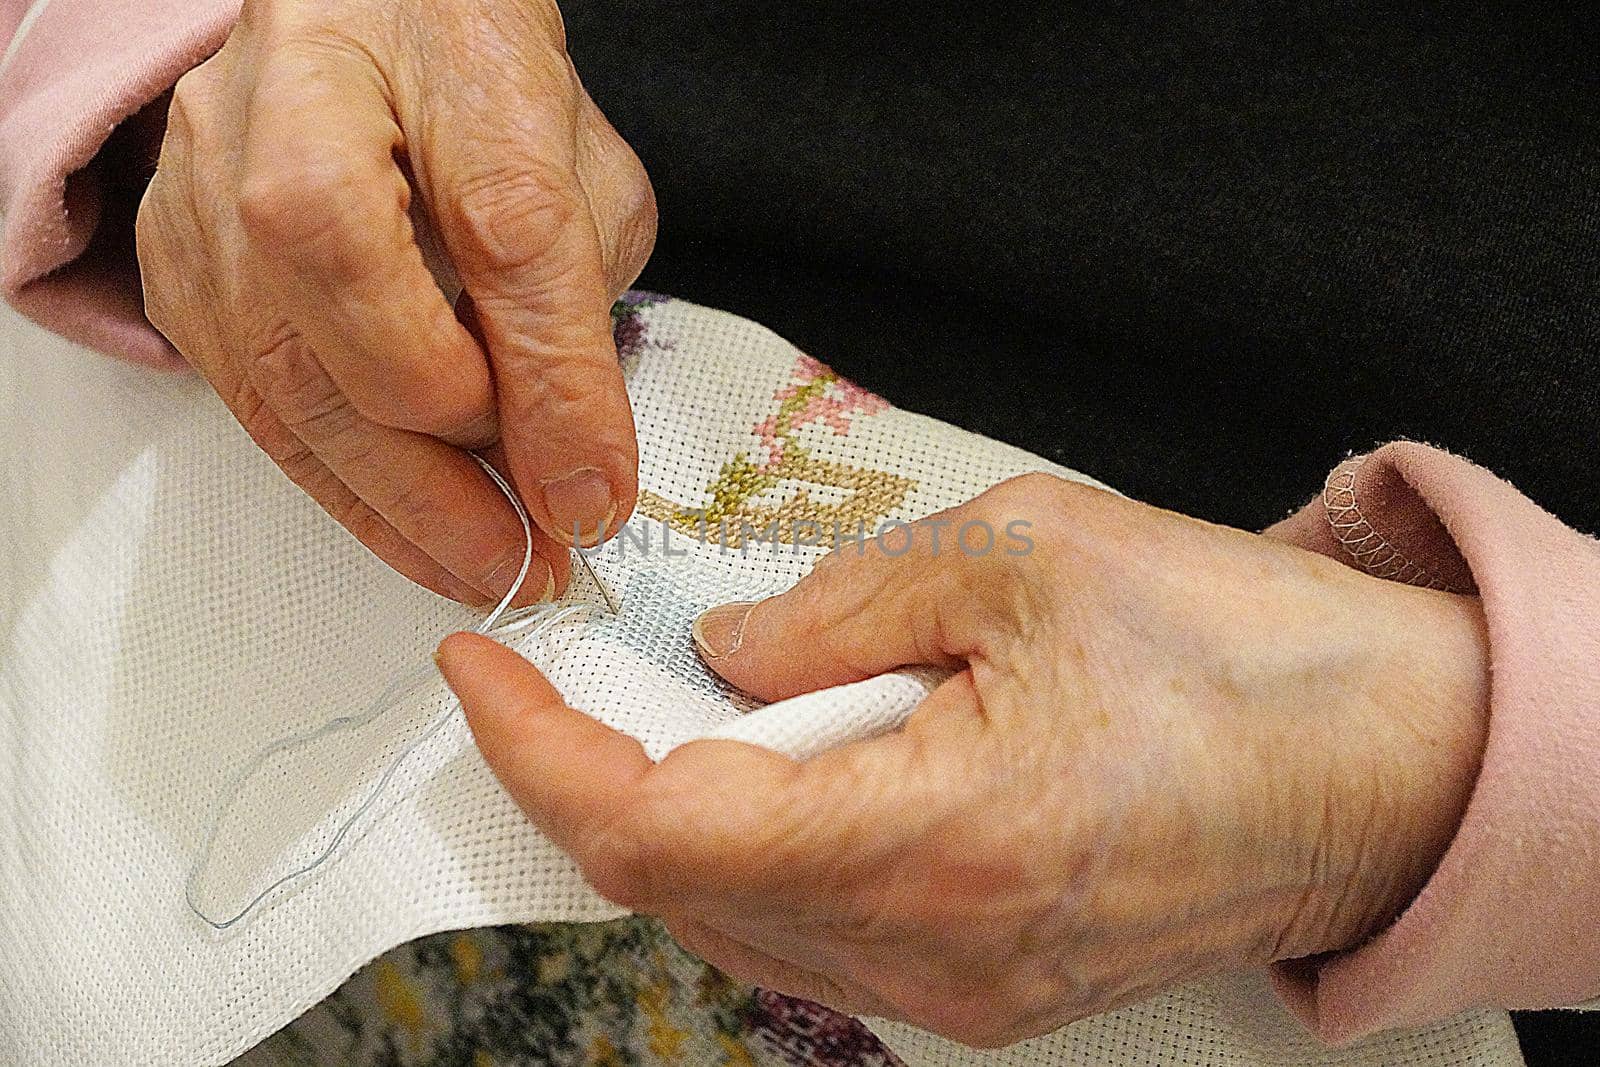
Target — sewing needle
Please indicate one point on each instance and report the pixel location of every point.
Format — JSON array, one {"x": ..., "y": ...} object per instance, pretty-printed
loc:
[{"x": 605, "y": 594}]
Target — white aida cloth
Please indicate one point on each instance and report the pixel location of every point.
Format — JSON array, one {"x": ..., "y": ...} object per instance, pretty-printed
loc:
[{"x": 171, "y": 605}]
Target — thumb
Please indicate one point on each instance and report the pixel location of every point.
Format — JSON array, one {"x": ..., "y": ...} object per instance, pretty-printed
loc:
[
  {"x": 517, "y": 222},
  {"x": 567, "y": 771},
  {"x": 899, "y": 600}
]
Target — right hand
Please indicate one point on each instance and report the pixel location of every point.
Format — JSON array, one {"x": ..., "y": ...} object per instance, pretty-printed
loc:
[
  {"x": 1167, "y": 750},
  {"x": 278, "y": 256}
]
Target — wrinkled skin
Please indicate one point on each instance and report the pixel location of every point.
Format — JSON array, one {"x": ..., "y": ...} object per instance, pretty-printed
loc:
[
  {"x": 278, "y": 256},
  {"x": 1168, "y": 749}
]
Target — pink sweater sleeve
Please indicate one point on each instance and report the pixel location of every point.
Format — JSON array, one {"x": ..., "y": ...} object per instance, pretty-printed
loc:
[
  {"x": 71, "y": 71},
  {"x": 1511, "y": 917}
]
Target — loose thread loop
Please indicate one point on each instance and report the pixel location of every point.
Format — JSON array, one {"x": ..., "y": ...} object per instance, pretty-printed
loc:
[{"x": 497, "y": 624}]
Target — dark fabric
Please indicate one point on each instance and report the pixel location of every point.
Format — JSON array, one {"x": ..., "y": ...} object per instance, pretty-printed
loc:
[{"x": 1200, "y": 253}]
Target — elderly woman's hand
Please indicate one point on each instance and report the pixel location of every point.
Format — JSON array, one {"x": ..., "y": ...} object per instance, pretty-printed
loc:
[
  {"x": 279, "y": 257},
  {"x": 1168, "y": 749}
]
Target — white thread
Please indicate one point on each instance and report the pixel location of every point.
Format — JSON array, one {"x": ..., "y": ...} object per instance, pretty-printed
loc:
[{"x": 535, "y": 620}]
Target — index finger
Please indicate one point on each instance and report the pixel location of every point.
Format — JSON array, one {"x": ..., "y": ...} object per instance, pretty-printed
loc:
[{"x": 326, "y": 202}]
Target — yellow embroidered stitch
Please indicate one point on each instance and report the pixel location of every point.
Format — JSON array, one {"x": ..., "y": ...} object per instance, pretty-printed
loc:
[{"x": 733, "y": 515}]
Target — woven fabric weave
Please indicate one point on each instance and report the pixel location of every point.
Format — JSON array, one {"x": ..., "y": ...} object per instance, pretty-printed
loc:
[{"x": 172, "y": 605}]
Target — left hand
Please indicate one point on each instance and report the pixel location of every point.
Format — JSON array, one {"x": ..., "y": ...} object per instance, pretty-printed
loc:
[
  {"x": 1169, "y": 749},
  {"x": 280, "y": 254}
]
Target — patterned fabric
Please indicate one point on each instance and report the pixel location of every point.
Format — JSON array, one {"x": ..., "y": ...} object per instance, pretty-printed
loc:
[
  {"x": 824, "y": 498},
  {"x": 616, "y": 994}
]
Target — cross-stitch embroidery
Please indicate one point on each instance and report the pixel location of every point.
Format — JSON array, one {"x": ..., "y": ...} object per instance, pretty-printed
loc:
[{"x": 734, "y": 511}]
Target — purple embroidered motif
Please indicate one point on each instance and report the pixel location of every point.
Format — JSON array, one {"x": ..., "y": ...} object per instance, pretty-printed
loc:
[
  {"x": 810, "y": 1035},
  {"x": 627, "y": 325}
]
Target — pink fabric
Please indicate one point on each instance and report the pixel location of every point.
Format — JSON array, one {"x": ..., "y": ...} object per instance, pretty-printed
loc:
[
  {"x": 1511, "y": 917},
  {"x": 81, "y": 68}
]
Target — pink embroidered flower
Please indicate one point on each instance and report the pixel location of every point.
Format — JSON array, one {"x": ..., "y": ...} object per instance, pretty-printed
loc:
[{"x": 816, "y": 395}]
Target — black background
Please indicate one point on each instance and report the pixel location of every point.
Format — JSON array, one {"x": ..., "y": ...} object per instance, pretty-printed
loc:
[{"x": 1199, "y": 253}]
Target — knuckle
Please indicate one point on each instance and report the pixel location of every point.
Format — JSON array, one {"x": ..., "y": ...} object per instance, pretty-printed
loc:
[
  {"x": 635, "y": 236},
  {"x": 303, "y": 397},
  {"x": 291, "y": 455},
  {"x": 248, "y": 406},
  {"x": 270, "y": 203},
  {"x": 1039, "y": 482},
  {"x": 640, "y": 197},
  {"x": 301, "y": 467},
  {"x": 1045, "y": 506},
  {"x": 568, "y": 381},
  {"x": 636, "y": 245},
  {"x": 512, "y": 218},
  {"x": 1025, "y": 490},
  {"x": 313, "y": 208}
]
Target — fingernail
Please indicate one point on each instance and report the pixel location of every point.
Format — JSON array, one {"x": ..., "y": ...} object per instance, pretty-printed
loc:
[
  {"x": 505, "y": 573},
  {"x": 720, "y": 631},
  {"x": 580, "y": 503}
]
